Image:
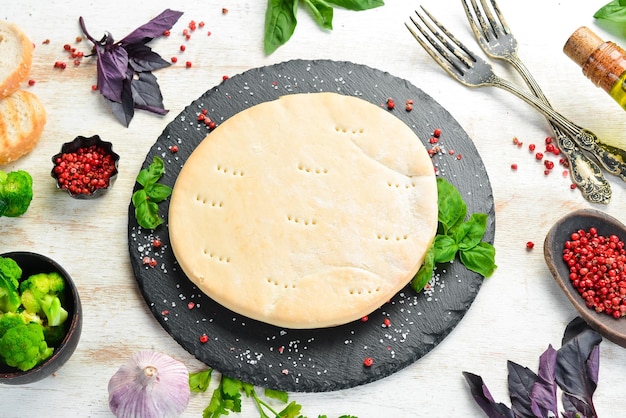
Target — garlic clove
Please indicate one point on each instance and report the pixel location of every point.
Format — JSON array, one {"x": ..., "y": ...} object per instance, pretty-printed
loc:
[{"x": 149, "y": 385}]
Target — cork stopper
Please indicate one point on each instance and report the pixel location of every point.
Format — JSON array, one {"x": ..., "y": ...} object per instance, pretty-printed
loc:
[
  {"x": 581, "y": 45},
  {"x": 602, "y": 62}
]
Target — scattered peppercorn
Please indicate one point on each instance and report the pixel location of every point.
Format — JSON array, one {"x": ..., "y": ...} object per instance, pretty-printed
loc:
[
  {"x": 530, "y": 245},
  {"x": 437, "y": 133},
  {"x": 174, "y": 149},
  {"x": 390, "y": 104},
  {"x": 368, "y": 361},
  {"x": 204, "y": 338}
]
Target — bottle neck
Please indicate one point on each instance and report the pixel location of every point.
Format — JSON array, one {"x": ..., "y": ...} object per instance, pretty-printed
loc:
[{"x": 605, "y": 66}]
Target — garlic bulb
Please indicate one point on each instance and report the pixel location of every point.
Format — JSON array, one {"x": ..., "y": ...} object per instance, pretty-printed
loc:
[{"x": 149, "y": 385}]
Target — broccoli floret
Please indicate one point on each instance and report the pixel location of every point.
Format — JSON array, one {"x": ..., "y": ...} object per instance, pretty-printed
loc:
[
  {"x": 10, "y": 274},
  {"x": 23, "y": 346},
  {"x": 54, "y": 335},
  {"x": 42, "y": 293},
  {"x": 10, "y": 320},
  {"x": 16, "y": 192}
]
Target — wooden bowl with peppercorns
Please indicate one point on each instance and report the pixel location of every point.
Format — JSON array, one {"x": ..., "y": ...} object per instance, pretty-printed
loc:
[
  {"x": 86, "y": 167},
  {"x": 586, "y": 255}
]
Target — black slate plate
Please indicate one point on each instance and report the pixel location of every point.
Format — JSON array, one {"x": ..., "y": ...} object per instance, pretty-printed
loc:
[{"x": 321, "y": 359}]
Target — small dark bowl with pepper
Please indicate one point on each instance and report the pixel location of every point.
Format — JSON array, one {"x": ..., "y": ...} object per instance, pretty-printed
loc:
[
  {"x": 65, "y": 343},
  {"x": 604, "y": 225},
  {"x": 86, "y": 167}
]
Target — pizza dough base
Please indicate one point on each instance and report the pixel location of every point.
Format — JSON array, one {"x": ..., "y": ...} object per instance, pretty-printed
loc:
[{"x": 309, "y": 211}]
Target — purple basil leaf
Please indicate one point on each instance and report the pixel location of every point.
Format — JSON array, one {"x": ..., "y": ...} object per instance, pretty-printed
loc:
[
  {"x": 575, "y": 327},
  {"x": 577, "y": 369},
  {"x": 153, "y": 28},
  {"x": 484, "y": 399},
  {"x": 141, "y": 58},
  {"x": 521, "y": 380},
  {"x": 112, "y": 67},
  {"x": 544, "y": 402},
  {"x": 124, "y": 110},
  {"x": 146, "y": 93}
]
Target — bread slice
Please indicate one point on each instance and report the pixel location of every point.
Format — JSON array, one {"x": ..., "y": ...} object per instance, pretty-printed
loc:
[
  {"x": 16, "y": 54},
  {"x": 22, "y": 119}
]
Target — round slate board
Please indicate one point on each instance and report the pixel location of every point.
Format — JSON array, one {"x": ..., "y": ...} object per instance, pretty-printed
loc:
[{"x": 319, "y": 359}]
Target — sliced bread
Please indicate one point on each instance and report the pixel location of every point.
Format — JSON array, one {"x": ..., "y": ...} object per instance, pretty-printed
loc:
[
  {"x": 16, "y": 53},
  {"x": 22, "y": 118}
]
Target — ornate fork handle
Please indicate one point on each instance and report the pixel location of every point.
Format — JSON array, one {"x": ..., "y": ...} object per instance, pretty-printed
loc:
[
  {"x": 584, "y": 138},
  {"x": 585, "y": 173}
]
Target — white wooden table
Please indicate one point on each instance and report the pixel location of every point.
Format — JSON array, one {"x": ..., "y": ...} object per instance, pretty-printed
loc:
[{"x": 518, "y": 311}]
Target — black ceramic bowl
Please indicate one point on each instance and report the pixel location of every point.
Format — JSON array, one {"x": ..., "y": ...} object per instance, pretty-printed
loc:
[
  {"x": 30, "y": 264},
  {"x": 80, "y": 143},
  {"x": 609, "y": 327}
]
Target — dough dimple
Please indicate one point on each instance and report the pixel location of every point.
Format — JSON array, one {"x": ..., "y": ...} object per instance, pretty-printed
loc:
[{"x": 308, "y": 211}]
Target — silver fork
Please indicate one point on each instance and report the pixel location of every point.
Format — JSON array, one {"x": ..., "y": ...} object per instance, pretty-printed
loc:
[
  {"x": 471, "y": 70},
  {"x": 496, "y": 40}
]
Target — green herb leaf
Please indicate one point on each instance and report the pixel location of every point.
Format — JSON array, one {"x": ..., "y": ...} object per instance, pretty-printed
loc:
[
  {"x": 152, "y": 174},
  {"x": 291, "y": 411},
  {"x": 452, "y": 209},
  {"x": 199, "y": 382},
  {"x": 145, "y": 200},
  {"x": 480, "y": 259},
  {"x": 277, "y": 394},
  {"x": 147, "y": 213},
  {"x": 322, "y": 12},
  {"x": 158, "y": 192},
  {"x": 445, "y": 248},
  {"x": 357, "y": 4},
  {"x": 280, "y": 23},
  {"x": 470, "y": 233},
  {"x": 615, "y": 11},
  {"x": 425, "y": 273}
]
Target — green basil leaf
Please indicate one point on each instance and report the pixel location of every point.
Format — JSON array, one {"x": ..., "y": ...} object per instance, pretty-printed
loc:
[
  {"x": 158, "y": 192},
  {"x": 280, "y": 23},
  {"x": 139, "y": 197},
  {"x": 425, "y": 273},
  {"x": 357, "y": 4},
  {"x": 147, "y": 214},
  {"x": 322, "y": 12},
  {"x": 480, "y": 259},
  {"x": 452, "y": 208},
  {"x": 470, "y": 233},
  {"x": 445, "y": 248},
  {"x": 615, "y": 11},
  {"x": 153, "y": 173}
]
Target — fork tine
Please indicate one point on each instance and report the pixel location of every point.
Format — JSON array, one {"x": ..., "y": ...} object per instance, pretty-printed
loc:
[
  {"x": 480, "y": 29},
  {"x": 503, "y": 23},
  {"x": 446, "y": 50}
]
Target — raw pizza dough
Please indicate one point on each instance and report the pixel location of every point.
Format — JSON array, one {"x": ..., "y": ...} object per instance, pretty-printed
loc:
[{"x": 309, "y": 211}]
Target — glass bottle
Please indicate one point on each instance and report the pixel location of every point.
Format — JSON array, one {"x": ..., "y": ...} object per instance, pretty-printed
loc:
[{"x": 603, "y": 62}]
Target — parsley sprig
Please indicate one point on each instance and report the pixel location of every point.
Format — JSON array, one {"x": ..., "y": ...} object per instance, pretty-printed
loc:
[
  {"x": 455, "y": 236},
  {"x": 226, "y": 397}
]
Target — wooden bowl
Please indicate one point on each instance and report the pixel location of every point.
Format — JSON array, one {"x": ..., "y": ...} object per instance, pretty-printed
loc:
[
  {"x": 609, "y": 327},
  {"x": 30, "y": 264}
]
